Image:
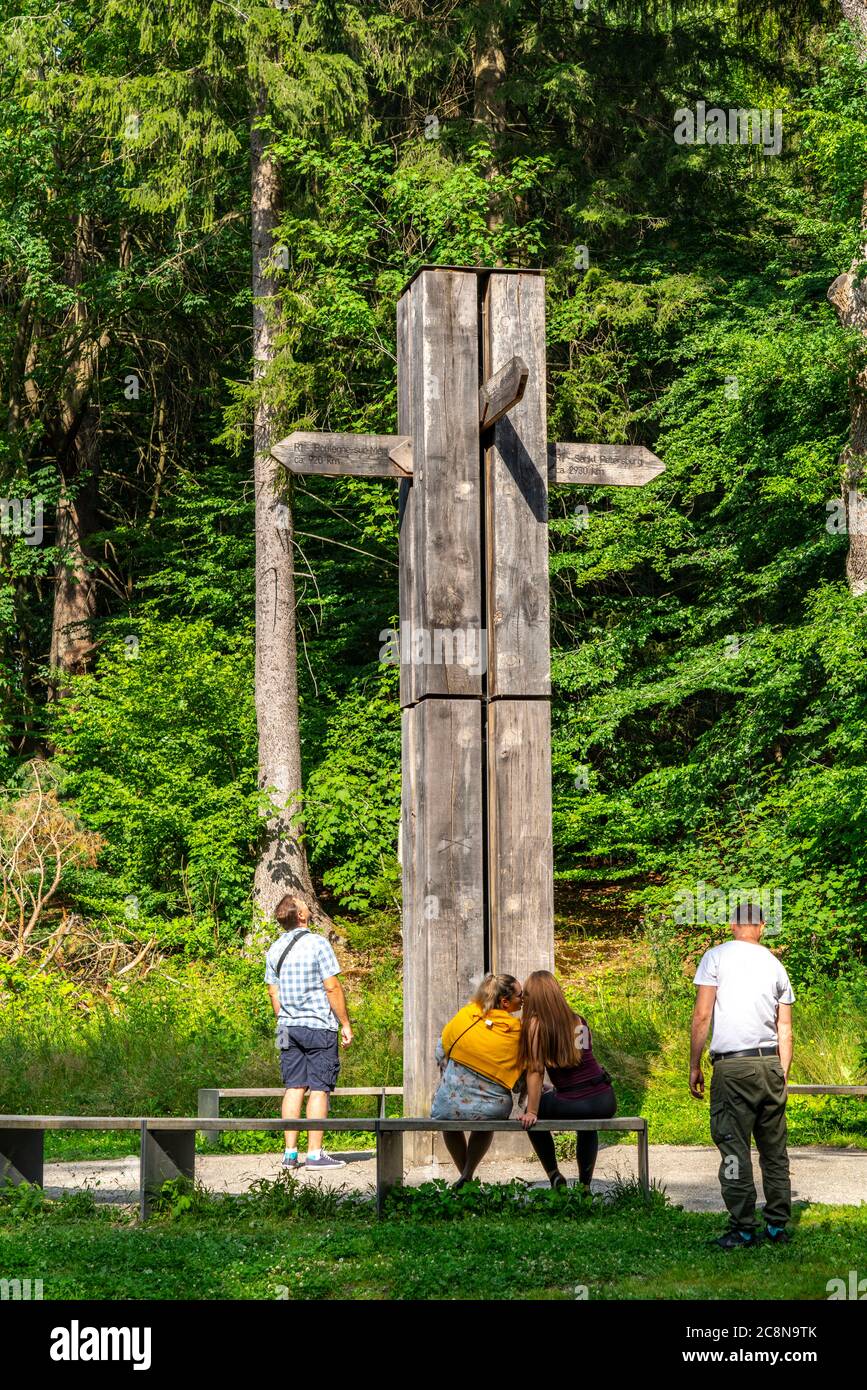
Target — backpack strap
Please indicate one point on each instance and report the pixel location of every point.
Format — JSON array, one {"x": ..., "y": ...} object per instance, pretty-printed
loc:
[{"x": 296, "y": 938}]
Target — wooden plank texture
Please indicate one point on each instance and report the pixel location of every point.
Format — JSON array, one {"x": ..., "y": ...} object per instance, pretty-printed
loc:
[
  {"x": 603, "y": 465},
  {"x": 362, "y": 455},
  {"x": 239, "y": 1091},
  {"x": 164, "y": 1157},
  {"x": 191, "y": 1123},
  {"x": 407, "y": 500},
  {"x": 827, "y": 1091},
  {"x": 70, "y": 1121},
  {"x": 521, "y": 868},
  {"x": 443, "y": 908},
  {"x": 249, "y": 1122},
  {"x": 389, "y": 1165},
  {"x": 519, "y": 660},
  {"x": 442, "y": 637},
  {"x": 625, "y": 1123}
]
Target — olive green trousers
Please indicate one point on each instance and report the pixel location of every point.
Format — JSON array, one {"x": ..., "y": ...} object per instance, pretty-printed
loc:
[{"x": 748, "y": 1100}]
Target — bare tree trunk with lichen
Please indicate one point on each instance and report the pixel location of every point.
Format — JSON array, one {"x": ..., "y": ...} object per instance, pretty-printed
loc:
[
  {"x": 282, "y": 866},
  {"x": 489, "y": 106},
  {"x": 848, "y": 294}
]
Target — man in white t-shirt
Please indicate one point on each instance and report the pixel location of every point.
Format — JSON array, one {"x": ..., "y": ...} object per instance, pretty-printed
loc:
[{"x": 746, "y": 991}]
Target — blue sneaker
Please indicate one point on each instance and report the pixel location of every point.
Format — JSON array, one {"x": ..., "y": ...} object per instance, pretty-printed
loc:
[
  {"x": 290, "y": 1159},
  {"x": 325, "y": 1161},
  {"x": 777, "y": 1235}
]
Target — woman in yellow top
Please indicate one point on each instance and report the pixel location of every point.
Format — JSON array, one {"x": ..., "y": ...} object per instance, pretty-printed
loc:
[{"x": 478, "y": 1059}]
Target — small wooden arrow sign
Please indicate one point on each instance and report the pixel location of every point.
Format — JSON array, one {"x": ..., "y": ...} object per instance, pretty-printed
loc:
[
  {"x": 603, "y": 465},
  {"x": 502, "y": 391},
  {"x": 364, "y": 455}
]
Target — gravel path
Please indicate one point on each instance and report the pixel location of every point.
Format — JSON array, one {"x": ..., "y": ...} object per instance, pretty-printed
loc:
[{"x": 688, "y": 1173}]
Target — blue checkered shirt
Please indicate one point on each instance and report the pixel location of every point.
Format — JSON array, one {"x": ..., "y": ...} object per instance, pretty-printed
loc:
[{"x": 303, "y": 1001}]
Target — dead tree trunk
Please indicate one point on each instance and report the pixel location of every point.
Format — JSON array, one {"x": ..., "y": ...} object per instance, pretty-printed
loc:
[
  {"x": 489, "y": 107},
  {"x": 76, "y": 439},
  {"x": 74, "y": 606},
  {"x": 282, "y": 866},
  {"x": 848, "y": 294}
]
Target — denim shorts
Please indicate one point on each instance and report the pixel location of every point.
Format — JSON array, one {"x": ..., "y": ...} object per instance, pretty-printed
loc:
[{"x": 309, "y": 1057}]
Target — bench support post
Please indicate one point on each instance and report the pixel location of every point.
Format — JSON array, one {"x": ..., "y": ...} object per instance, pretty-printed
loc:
[
  {"x": 165, "y": 1154},
  {"x": 209, "y": 1108},
  {"x": 644, "y": 1161},
  {"x": 389, "y": 1164},
  {"x": 21, "y": 1156}
]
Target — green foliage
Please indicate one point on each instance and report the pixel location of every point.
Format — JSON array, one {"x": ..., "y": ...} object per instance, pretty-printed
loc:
[
  {"x": 353, "y": 796},
  {"x": 160, "y": 757},
  {"x": 708, "y": 661}
]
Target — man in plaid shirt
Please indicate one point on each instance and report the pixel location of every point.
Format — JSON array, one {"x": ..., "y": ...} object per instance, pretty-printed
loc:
[{"x": 301, "y": 973}]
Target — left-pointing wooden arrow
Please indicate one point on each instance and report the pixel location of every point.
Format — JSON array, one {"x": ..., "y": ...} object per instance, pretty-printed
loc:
[{"x": 364, "y": 455}]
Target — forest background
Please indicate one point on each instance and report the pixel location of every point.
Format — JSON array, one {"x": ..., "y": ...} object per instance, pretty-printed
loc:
[{"x": 709, "y": 632}]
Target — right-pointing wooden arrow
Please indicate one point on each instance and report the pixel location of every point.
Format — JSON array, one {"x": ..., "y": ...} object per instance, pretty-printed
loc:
[{"x": 603, "y": 465}]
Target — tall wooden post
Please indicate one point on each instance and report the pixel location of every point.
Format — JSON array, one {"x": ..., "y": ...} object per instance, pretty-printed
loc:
[
  {"x": 441, "y": 612},
  {"x": 518, "y": 686},
  {"x": 475, "y": 679}
]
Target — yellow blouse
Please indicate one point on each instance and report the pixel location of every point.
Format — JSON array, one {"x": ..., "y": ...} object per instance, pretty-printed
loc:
[{"x": 489, "y": 1047}]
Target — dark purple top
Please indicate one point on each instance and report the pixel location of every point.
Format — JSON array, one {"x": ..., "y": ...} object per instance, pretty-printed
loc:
[{"x": 588, "y": 1079}]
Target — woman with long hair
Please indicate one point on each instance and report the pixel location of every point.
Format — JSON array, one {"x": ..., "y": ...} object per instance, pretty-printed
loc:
[
  {"x": 478, "y": 1059},
  {"x": 556, "y": 1039}
]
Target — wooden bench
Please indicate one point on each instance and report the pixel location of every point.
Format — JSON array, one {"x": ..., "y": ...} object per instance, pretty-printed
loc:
[
  {"x": 210, "y": 1097},
  {"x": 168, "y": 1143},
  {"x": 828, "y": 1091}
]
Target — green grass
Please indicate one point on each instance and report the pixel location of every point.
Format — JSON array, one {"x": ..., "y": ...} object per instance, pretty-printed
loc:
[{"x": 434, "y": 1245}]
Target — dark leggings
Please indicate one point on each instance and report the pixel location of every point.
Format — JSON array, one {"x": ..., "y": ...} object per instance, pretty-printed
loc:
[{"x": 555, "y": 1107}]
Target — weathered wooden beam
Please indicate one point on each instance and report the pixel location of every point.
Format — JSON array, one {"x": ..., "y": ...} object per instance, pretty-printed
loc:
[
  {"x": 516, "y": 491},
  {"x": 209, "y": 1106},
  {"x": 443, "y": 884},
  {"x": 520, "y": 841},
  {"x": 603, "y": 465},
  {"x": 628, "y": 1124},
  {"x": 502, "y": 391},
  {"x": 166, "y": 1155},
  {"x": 362, "y": 455},
  {"x": 389, "y": 1165},
  {"x": 440, "y": 535},
  {"x": 408, "y": 500}
]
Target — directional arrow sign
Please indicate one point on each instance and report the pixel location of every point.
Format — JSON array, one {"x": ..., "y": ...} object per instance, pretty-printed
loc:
[
  {"x": 502, "y": 391},
  {"x": 603, "y": 465},
  {"x": 364, "y": 455}
]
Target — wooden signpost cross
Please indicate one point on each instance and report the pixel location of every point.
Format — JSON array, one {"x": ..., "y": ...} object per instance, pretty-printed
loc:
[{"x": 473, "y": 461}]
